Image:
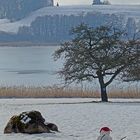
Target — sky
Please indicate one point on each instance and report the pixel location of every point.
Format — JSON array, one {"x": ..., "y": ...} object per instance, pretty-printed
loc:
[{"x": 89, "y": 2}]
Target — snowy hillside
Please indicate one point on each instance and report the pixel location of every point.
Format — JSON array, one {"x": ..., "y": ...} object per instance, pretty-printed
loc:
[
  {"x": 52, "y": 24},
  {"x": 18, "y": 9},
  {"x": 127, "y": 11}
]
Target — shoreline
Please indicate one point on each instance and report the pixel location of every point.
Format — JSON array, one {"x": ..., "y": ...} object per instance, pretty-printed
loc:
[{"x": 27, "y": 44}]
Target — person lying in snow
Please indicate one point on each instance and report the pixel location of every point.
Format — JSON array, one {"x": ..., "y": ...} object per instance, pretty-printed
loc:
[{"x": 105, "y": 134}]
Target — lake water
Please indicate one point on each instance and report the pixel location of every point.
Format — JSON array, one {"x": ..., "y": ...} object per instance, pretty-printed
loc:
[
  {"x": 34, "y": 66},
  {"x": 28, "y": 66}
]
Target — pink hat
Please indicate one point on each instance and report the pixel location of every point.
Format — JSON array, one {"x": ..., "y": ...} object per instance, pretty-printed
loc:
[{"x": 105, "y": 129}]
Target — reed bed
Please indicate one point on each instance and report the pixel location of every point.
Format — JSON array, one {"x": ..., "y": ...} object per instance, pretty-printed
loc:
[{"x": 57, "y": 92}]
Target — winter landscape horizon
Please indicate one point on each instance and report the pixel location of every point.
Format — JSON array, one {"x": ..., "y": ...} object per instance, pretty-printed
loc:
[
  {"x": 70, "y": 84},
  {"x": 89, "y": 2}
]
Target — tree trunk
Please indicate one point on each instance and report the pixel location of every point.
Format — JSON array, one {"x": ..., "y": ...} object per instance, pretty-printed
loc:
[{"x": 104, "y": 94}]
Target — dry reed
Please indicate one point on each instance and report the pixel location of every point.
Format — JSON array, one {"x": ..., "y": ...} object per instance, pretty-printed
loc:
[{"x": 56, "y": 92}]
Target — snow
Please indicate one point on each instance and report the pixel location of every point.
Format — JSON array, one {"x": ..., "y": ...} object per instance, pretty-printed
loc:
[
  {"x": 126, "y": 10},
  {"x": 3, "y": 21},
  {"x": 76, "y": 120}
]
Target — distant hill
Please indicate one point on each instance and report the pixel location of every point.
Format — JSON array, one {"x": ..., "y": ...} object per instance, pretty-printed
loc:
[
  {"x": 52, "y": 24},
  {"x": 18, "y": 9}
]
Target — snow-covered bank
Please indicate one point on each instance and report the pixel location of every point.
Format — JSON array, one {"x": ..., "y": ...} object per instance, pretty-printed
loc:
[
  {"x": 75, "y": 121},
  {"x": 125, "y": 10}
]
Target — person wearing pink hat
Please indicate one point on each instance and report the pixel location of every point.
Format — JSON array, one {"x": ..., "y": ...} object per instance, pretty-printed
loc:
[{"x": 105, "y": 134}]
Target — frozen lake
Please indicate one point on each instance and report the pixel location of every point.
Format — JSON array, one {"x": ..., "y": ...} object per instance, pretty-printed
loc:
[
  {"x": 34, "y": 66},
  {"x": 76, "y": 121},
  {"x": 30, "y": 66}
]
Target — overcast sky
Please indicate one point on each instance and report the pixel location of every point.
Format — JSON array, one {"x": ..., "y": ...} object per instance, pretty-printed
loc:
[{"x": 89, "y": 2}]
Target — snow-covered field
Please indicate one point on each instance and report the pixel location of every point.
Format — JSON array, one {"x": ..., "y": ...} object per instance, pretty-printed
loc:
[
  {"x": 76, "y": 119},
  {"x": 132, "y": 11}
]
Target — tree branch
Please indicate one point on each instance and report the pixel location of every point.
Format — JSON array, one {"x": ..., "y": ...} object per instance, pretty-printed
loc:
[{"x": 114, "y": 76}]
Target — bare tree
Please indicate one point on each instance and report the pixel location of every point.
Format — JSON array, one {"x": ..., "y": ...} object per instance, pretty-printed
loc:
[
  {"x": 98, "y": 2},
  {"x": 132, "y": 72},
  {"x": 96, "y": 53},
  {"x": 106, "y": 2}
]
